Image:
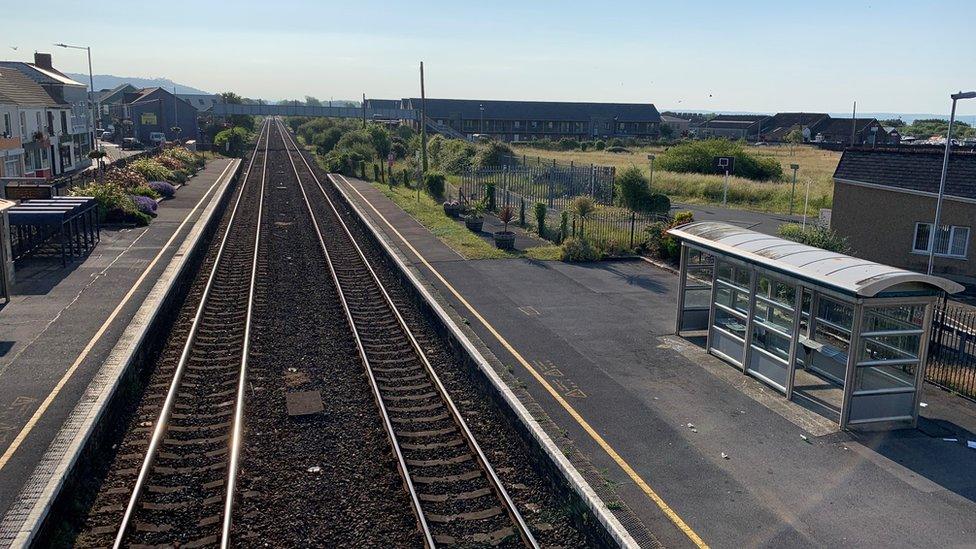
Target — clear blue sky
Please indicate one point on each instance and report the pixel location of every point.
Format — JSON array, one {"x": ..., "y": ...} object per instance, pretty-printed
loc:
[{"x": 889, "y": 55}]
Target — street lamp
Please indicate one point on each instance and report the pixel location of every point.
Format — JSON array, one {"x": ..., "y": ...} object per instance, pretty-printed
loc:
[
  {"x": 481, "y": 125},
  {"x": 945, "y": 168},
  {"x": 651, "y": 158},
  {"x": 793, "y": 167},
  {"x": 91, "y": 92}
]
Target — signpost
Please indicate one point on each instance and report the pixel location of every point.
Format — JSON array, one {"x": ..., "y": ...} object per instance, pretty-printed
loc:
[{"x": 725, "y": 164}]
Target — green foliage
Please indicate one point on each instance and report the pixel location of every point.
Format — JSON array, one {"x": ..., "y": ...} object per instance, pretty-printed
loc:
[
  {"x": 114, "y": 203},
  {"x": 456, "y": 156},
  {"x": 615, "y": 142},
  {"x": 539, "y": 211},
  {"x": 376, "y": 172},
  {"x": 522, "y": 212},
  {"x": 662, "y": 245},
  {"x": 152, "y": 170},
  {"x": 633, "y": 189},
  {"x": 563, "y": 225},
  {"x": 493, "y": 153},
  {"x": 794, "y": 136},
  {"x": 435, "y": 184},
  {"x": 815, "y": 235},
  {"x": 244, "y": 121},
  {"x": 600, "y": 145},
  {"x": 667, "y": 131},
  {"x": 617, "y": 149},
  {"x": 490, "y": 196},
  {"x": 380, "y": 138},
  {"x": 699, "y": 157},
  {"x": 579, "y": 249},
  {"x": 233, "y": 141},
  {"x": 506, "y": 215},
  {"x": 567, "y": 144},
  {"x": 145, "y": 191},
  {"x": 583, "y": 207},
  {"x": 929, "y": 127},
  {"x": 893, "y": 122}
]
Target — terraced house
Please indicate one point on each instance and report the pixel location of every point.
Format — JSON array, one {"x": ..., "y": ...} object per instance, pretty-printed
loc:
[
  {"x": 528, "y": 120},
  {"x": 38, "y": 120}
]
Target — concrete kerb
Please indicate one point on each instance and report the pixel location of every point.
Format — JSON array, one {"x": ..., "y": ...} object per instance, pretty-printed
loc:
[
  {"x": 466, "y": 338},
  {"x": 26, "y": 517}
]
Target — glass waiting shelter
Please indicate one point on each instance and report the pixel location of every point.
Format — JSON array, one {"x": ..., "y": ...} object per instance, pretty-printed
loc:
[{"x": 843, "y": 336}]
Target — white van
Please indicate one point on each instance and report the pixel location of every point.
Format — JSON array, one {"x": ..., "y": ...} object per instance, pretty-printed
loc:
[{"x": 157, "y": 138}]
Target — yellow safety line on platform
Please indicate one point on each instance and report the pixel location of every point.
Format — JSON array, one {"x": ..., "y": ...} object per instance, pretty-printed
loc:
[
  {"x": 29, "y": 426},
  {"x": 668, "y": 511}
]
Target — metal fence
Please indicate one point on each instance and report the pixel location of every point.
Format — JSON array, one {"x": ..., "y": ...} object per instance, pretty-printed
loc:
[
  {"x": 555, "y": 186},
  {"x": 952, "y": 351}
]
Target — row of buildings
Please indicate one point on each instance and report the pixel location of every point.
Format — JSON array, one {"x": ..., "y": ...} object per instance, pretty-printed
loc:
[
  {"x": 814, "y": 127},
  {"x": 45, "y": 120},
  {"x": 142, "y": 112}
]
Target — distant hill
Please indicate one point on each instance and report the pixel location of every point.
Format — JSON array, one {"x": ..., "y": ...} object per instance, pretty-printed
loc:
[{"x": 109, "y": 81}]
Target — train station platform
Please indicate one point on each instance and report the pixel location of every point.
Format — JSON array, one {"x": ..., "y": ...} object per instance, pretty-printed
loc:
[
  {"x": 699, "y": 452},
  {"x": 62, "y": 322}
]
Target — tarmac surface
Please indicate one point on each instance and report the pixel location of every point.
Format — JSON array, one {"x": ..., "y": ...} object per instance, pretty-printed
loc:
[
  {"x": 56, "y": 313},
  {"x": 737, "y": 463}
]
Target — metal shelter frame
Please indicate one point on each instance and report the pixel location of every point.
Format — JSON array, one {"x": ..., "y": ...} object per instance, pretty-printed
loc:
[{"x": 779, "y": 310}]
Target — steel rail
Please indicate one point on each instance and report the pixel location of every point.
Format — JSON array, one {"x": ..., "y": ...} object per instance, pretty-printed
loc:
[
  {"x": 160, "y": 429},
  {"x": 387, "y": 424},
  {"x": 493, "y": 480}
]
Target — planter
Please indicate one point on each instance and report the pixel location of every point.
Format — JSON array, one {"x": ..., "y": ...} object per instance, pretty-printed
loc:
[
  {"x": 452, "y": 209},
  {"x": 505, "y": 240},
  {"x": 474, "y": 223}
]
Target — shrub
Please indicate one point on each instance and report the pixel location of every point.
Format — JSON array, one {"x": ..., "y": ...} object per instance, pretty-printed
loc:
[
  {"x": 493, "y": 153},
  {"x": 579, "y": 249},
  {"x": 169, "y": 162},
  {"x": 125, "y": 178},
  {"x": 815, "y": 235},
  {"x": 376, "y": 172},
  {"x": 456, "y": 156},
  {"x": 113, "y": 202},
  {"x": 617, "y": 149},
  {"x": 435, "y": 184},
  {"x": 539, "y": 210},
  {"x": 634, "y": 190},
  {"x": 165, "y": 190},
  {"x": 563, "y": 225},
  {"x": 145, "y": 191},
  {"x": 662, "y": 245},
  {"x": 699, "y": 157},
  {"x": 232, "y": 141},
  {"x": 506, "y": 215},
  {"x": 585, "y": 145},
  {"x": 191, "y": 161},
  {"x": 583, "y": 207},
  {"x": 567, "y": 144},
  {"x": 490, "y": 196},
  {"x": 615, "y": 142},
  {"x": 600, "y": 145},
  {"x": 151, "y": 169},
  {"x": 145, "y": 205},
  {"x": 659, "y": 203}
]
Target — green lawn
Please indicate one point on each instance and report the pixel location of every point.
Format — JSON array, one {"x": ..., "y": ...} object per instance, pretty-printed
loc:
[{"x": 430, "y": 214}]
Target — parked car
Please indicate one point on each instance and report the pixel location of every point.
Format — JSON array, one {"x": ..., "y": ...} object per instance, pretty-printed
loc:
[
  {"x": 107, "y": 135},
  {"x": 131, "y": 143},
  {"x": 157, "y": 138}
]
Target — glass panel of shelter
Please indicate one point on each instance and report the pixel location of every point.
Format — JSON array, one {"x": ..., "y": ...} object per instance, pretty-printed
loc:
[
  {"x": 698, "y": 273},
  {"x": 727, "y": 334},
  {"x": 772, "y": 331}
]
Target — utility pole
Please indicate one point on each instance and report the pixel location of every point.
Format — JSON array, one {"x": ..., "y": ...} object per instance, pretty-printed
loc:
[
  {"x": 423, "y": 122},
  {"x": 853, "y": 123},
  {"x": 364, "y": 111}
]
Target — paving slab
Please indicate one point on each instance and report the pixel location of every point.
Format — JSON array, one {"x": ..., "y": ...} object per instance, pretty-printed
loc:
[
  {"x": 742, "y": 474},
  {"x": 61, "y": 323}
]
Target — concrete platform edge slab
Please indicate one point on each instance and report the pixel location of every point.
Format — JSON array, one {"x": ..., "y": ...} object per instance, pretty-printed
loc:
[
  {"x": 26, "y": 516},
  {"x": 467, "y": 337}
]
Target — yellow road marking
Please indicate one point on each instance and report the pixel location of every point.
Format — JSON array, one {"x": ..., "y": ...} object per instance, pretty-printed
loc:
[
  {"x": 620, "y": 461},
  {"x": 29, "y": 426}
]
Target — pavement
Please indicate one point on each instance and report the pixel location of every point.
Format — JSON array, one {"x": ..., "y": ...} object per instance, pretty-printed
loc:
[
  {"x": 62, "y": 322},
  {"x": 763, "y": 222},
  {"x": 114, "y": 152},
  {"x": 701, "y": 453}
]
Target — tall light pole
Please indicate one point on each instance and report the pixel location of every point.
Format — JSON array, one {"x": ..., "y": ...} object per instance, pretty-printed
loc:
[
  {"x": 91, "y": 94},
  {"x": 793, "y": 167},
  {"x": 933, "y": 233},
  {"x": 481, "y": 125}
]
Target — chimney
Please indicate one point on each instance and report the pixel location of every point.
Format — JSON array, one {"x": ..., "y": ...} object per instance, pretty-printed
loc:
[{"x": 43, "y": 60}]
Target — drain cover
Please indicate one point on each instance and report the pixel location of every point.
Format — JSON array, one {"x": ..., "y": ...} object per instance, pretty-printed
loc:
[{"x": 303, "y": 403}]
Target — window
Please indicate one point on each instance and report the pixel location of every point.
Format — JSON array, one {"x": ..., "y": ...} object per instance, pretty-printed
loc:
[
  {"x": 64, "y": 121},
  {"x": 951, "y": 240},
  {"x": 6, "y": 124},
  {"x": 23, "y": 125}
]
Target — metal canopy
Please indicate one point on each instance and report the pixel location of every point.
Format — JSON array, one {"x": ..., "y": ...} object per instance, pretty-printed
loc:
[{"x": 850, "y": 275}]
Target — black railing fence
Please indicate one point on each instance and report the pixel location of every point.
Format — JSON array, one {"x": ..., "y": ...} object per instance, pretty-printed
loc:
[{"x": 952, "y": 350}]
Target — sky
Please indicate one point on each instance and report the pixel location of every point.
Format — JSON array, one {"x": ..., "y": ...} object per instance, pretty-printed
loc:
[{"x": 762, "y": 56}]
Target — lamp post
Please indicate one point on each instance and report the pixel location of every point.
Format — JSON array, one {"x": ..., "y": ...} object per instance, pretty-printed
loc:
[
  {"x": 933, "y": 233},
  {"x": 793, "y": 167},
  {"x": 481, "y": 124},
  {"x": 91, "y": 95},
  {"x": 650, "y": 157}
]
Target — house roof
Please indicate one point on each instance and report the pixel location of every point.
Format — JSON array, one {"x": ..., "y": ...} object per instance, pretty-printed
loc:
[
  {"x": 37, "y": 73},
  {"x": 385, "y": 103},
  {"x": 728, "y": 124},
  {"x": 673, "y": 119},
  {"x": 910, "y": 169},
  {"x": 843, "y": 273},
  {"x": 538, "y": 110},
  {"x": 199, "y": 101},
  {"x": 842, "y": 126},
  {"x": 19, "y": 89},
  {"x": 738, "y": 118},
  {"x": 790, "y": 119},
  {"x": 118, "y": 91}
]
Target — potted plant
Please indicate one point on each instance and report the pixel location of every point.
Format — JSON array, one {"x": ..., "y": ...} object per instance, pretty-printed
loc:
[
  {"x": 505, "y": 240},
  {"x": 452, "y": 208},
  {"x": 476, "y": 217}
]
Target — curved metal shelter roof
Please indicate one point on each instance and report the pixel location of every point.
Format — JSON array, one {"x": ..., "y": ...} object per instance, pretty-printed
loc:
[{"x": 847, "y": 274}]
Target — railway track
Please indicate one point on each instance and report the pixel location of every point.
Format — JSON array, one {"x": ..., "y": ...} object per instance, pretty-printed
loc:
[
  {"x": 456, "y": 495},
  {"x": 182, "y": 491}
]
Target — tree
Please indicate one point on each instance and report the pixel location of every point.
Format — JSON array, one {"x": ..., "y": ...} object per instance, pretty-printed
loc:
[
  {"x": 893, "y": 122},
  {"x": 583, "y": 207},
  {"x": 312, "y": 102},
  {"x": 793, "y": 137},
  {"x": 667, "y": 131},
  {"x": 232, "y": 141},
  {"x": 635, "y": 192},
  {"x": 240, "y": 120},
  {"x": 380, "y": 139}
]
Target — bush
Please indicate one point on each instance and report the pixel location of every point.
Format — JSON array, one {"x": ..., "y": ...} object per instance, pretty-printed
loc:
[
  {"x": 455, "y": 156},
  {"x": 600, "y": 145},
  {"x": 164, "y": 189},
  {"x": 579, "y": 249},
  {"x": 191, "y": 161},
  {"x": 662, "y": 245},
  {"x": 617, "y": 149},
  {"x": 145, "y": 191},
  {"x": 539, "y": 210},
  {"x": 634, "y": 190},
  {"x": 493, "y": 153},
  {"x": 232, "y": 142},
  {"x": 435, "y": 184},
  {"x": 125, "y": 178},
  {"x": 376, "y": 172},
  {"x": 145, "y": 205},
  {"x": 114, "y": 204},
  {"x": 490, "y": 197},
  {"x": 815, "y": 235},
  {"x": 151, "y": 169},
  {"x": 699, "y": 157},
  {"x": 615, "y": 142},
  {"x": 563, "y": 225},
  {"x": 521, "y": 212},
  {"x": 567, "y": 144}
]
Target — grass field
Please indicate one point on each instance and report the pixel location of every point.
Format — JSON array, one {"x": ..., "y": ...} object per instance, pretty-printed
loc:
[
  {"x": 816, "y": 167},
  {"x": 430, "y": 214}
]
